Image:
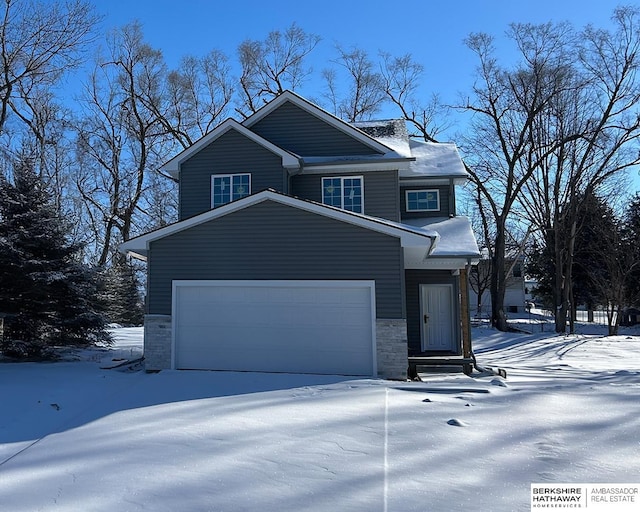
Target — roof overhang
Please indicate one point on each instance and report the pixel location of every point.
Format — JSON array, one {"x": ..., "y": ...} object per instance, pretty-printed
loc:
[
  {"x": 172, "y": 167},
  {"x": 311, "y": 165},
  {"x": 422, "y": 241},
  {"x": 456, "y": 247},
  {"x": 435, "y": 160}
]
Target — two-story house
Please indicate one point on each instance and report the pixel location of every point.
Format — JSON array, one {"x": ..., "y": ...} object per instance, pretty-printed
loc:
[{"x": 308, "y": 245}]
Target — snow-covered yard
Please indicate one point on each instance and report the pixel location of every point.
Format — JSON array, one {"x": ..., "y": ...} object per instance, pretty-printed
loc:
[{"x": 76, "y": 437}]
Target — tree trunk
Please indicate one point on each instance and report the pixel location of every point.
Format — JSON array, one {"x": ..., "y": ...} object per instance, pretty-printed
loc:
[{"x": 498, "y": 281}]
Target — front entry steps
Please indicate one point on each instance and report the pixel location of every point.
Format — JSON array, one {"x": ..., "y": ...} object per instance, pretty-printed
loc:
[{"x": 442, "y": 364}]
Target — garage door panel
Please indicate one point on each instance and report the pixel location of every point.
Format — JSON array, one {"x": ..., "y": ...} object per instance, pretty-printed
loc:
[{"x": 283, "y": 327}]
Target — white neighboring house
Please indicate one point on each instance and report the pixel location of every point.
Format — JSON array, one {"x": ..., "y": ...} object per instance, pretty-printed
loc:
[{"x": 515, "y": 298}]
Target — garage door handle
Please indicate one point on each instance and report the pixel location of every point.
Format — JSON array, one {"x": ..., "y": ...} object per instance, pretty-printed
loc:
[{"x": 426, "y": 318}]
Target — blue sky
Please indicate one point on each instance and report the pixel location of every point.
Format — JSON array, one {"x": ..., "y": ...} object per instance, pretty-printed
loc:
[{"x": 432, "y": 31}]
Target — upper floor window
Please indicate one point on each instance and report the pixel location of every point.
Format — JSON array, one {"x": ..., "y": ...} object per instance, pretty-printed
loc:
[
  {"x": 423, "y": 200},
  {"x": 346, "y": 193},
  {"x": 229, "y": 187}
]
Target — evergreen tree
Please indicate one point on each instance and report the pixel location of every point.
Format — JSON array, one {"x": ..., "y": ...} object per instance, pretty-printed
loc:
[
  {"x": 631, "y": 239},
  {"x": 595, "y": 245},
  {"x": 120, "y": 294},
  {"x": 48, "y": 294},
  {"x": 540, "y": 266}
]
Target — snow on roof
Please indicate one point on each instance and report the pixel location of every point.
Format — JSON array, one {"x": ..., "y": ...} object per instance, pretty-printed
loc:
[
  {"x": 456, "y": 237},
  {"x": 435, "y": 159},
  {"x": 432, "y": 159}
]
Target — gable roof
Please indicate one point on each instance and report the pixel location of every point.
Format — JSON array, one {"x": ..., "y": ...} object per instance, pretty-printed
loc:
[
  {"x": 409, "y": 236},
  {"x": 336, "y": 122},
  {"x": 172, "y": 167}
]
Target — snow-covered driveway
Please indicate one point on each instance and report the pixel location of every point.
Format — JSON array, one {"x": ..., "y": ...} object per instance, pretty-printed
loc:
[{"x": 74, "y": 437}]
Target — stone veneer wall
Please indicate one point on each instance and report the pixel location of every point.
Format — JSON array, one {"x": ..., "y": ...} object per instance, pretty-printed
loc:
[
  {"x": 391, "y": 348},
  {"x": 157, "y": 342}
]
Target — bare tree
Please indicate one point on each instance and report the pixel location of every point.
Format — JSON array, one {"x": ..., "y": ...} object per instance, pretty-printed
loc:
[
  {"x": 196, "y": 97},
  {"x": 121, "y": 140},
  {"x": 506, "y": 106},
  {"x": 401, "y": 83},
  {"x": 272, "y": 65},
  {"x": 43, "y": 136},
  {"x": 480, "y": 281},
  {"x": 602, "y": 109},
  {"x": 360, "y": 93},
  {"x": 39, "y": 42}
]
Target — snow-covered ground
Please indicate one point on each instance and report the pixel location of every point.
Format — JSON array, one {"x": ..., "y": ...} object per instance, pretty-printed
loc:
[{"x": 75, "y": 437}]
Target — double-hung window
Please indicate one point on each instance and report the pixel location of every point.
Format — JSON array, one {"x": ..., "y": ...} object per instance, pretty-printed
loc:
[
  {"x": 344, "y": 192},
  {"x": 423, "y": 200},
  {"x": 229, "y": 187}
]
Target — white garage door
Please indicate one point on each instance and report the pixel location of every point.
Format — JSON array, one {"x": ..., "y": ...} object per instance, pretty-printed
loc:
[{"x": 275, "y": 326}]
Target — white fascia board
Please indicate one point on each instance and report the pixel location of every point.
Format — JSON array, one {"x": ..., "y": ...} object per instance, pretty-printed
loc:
[
  {"x": 172, "y": 167},
  {"x": 141, "y": 256},
  {"x": 319, "y": 113},
  {"x": 409, "y": 237}
]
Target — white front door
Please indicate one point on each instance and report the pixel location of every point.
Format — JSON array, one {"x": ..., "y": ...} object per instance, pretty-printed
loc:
[{"x": 436, "y": 319}]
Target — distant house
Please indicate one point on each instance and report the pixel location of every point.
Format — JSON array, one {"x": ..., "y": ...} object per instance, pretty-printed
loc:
[
  {"x": 308, "y": 245},
  {"x": 515, "y": 299}
]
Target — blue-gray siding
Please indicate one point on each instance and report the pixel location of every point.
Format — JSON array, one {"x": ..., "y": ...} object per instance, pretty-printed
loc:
[
  {"x": 231, "y": 153},
  {"x": 413, "y": 280},
  {"x": 296, "y": 130},
  {"x": 447, "y": 203},
  {"x": 274, "y": 241},
  {"x": 381, "y": 196}
]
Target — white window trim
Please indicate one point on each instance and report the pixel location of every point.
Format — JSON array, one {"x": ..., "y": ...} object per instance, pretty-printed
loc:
[
  {"x": 213, "y": 176},
  {"x": 342, "y": 178},
  {"x": 406, "y": 200}
]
